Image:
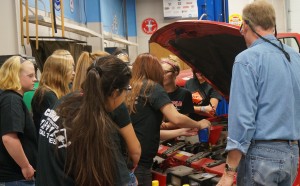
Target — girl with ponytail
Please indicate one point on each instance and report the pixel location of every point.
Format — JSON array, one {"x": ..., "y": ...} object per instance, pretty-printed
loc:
[{"x": 79, "y": 142}]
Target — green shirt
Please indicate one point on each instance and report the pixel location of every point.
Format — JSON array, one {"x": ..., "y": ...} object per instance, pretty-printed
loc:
[{"x": 28, "y": 96}]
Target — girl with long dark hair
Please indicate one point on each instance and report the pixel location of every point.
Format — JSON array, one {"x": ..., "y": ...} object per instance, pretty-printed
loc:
[{"x": 79, "y": 143}]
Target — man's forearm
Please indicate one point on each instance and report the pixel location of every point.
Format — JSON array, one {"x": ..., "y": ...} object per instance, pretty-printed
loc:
[{"x": 233, "y": 158}]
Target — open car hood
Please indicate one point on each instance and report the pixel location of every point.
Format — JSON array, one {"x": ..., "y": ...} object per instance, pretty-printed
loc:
[{"x": 206, "y": 46}]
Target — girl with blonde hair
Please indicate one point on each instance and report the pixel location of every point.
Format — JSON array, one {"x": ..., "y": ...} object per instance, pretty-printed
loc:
[
  {"x": 180, "y": 97},
  {"x": 83, "y": 62},
  {"x": 18, "y": 143},
  {"x": 58, "y": 74}
]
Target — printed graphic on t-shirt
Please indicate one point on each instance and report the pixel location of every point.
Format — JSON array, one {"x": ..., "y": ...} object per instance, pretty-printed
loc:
[
  {"x": 61, "y": 138},
  {"x": 197, "y": 98},
  {"x": 50, "y": 130},
  {"x": 177, "y": 104}
]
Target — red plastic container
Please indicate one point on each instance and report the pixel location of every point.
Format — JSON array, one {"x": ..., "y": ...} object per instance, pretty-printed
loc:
[
  {"x": 215, "y": 132},
  {"x": 219, "y": 169},
  {"x": 161, "y": 177},
  {"x": 297, "y": 180},
  {"x": 198, "y": 165}
]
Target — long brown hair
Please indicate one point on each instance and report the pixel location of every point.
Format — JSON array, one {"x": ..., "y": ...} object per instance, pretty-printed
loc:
[
  {"x": 56, "y": 75},
  {"x": 83, "y": 62},
  {"x": 91, "y": 155},
  {"x": 145, "y": 69}
]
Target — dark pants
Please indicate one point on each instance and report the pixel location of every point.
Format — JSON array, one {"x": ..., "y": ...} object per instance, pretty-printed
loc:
[{"x": 143, "y": 175}]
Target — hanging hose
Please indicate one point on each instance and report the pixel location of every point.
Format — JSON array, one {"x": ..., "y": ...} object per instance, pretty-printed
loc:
[
  {"x": 52, "y": 22},
  {"x": 36, "y": 26},
  {"x": 54, "y": 17},
  {"x": 62, "y": 18},
  {"x": 27, "y": 22},
  {"x": 21, "y": 23}
]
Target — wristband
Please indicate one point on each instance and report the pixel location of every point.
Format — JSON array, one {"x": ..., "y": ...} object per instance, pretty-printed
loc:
[
  {"x": 230, "y": 169},
  {"x": 202, "y": 108}
]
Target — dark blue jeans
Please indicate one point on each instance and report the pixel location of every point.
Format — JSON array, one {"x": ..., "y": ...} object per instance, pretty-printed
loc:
[
  {"x": 18, "y": 183},
  {"x": 269, "y": 164},
  {"x": 143, "y": 175}
]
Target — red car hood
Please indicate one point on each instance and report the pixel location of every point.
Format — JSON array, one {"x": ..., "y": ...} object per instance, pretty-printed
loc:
[{"x": 207, "y": 46}]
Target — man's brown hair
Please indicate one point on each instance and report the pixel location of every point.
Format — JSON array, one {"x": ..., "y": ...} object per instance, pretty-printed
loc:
[{"x": 260, "y": 13}]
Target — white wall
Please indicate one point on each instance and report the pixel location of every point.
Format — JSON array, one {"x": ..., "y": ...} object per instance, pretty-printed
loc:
[
  {"x": 236, "y": 6},
  {"x": 294, "y": 11},
  {"x": 132, "y": 50},
  {"x": 10, "y": 34},
  {"x": 154, "y": 9},
  {"x": 10, "y": 37},
  {"x": 96, "y": 42},
  {"x": 8, "y": 31},
  {"x": 146, "y": 9},
  {"x": 281, "y": 14}
]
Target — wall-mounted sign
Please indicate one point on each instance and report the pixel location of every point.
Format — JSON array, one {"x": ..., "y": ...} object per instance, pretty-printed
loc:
[
  {"x": 115, "y": 25},
  {"x": 235, "y": 19},
  {"x": 149, "y": 26},
  {"x": 180, "y": 9},
  {"x": 57, "y": 5},
  {"x": 72, "y": 6}
]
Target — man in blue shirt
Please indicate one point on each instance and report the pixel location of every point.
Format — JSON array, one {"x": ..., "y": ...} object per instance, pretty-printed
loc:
[{"x": 264, "y": 119}]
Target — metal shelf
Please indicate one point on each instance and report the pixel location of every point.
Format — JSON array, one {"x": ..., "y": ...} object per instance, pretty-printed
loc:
[{"x": 83, "y": 31}]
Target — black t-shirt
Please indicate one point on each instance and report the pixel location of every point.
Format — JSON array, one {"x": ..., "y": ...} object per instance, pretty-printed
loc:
[
  {"x": 15, "y": 118},
  {"x": 40, "y": 106},
  {"x": 147, "y": 120},
  {"x": 121, "y": 116},
  {"x": 182, "y": 100},
  {"x": 205, "y": 91},
  {"x": 52, "y": 156}
]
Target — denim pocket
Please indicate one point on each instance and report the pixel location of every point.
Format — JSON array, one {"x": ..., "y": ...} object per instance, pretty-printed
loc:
[{"x": 265, "y": 170}]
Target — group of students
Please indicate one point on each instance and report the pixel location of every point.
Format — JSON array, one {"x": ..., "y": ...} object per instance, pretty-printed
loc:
[
  {"x": 80, "y": 132},
  {"x": 99, "y": 126}
]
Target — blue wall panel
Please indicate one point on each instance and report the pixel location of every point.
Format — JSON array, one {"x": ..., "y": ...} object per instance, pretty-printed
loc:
[
  {"x": 206, "y": 7},
  {"x": 77, "y": 14},
  {"x": 109, "y": 12},
  {"x": 216, "y": 10},
  {"x": 221, "y": 10},
  {"x": 93, "y": 11},
  {"x": 112, "y": 18},
  {"x": 131, "y": 18}
]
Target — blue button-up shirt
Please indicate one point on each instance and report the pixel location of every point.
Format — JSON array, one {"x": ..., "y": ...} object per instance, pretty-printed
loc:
[{"x": 264, "y": 95}]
